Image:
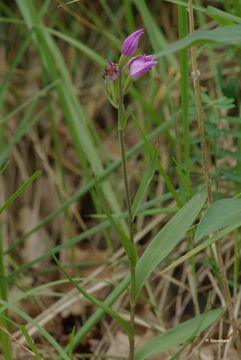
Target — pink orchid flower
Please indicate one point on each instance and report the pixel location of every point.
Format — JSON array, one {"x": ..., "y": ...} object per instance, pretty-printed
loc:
[{"x": 140, "y": 65}]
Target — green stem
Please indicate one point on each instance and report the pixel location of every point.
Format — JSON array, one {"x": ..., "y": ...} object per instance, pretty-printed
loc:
[
  {"x": 236, "y": 5},
  {"x": 121, "y": 131},
  {"x": 130, "y": 22},
  {"x": 184, "y": 83},
  {"x": 6, "y": 347}
]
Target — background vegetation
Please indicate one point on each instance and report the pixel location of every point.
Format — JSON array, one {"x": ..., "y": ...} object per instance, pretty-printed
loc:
[{"x": 61, "y": 180}]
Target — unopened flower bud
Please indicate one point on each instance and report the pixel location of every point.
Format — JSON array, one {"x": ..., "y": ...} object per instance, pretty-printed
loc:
[{"x": 131, "y": 42}]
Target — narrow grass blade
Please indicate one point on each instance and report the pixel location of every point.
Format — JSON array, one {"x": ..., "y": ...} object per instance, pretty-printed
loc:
[
  {"x": 4, "y": 338},
  {"x": 87, "y": 187},
  {"x": 156, "y": 37},
  {"x": 21, "y": 130},
  {"x": 236, "y": 5},
  {"x": 77, "y": 239},
  {"x": 184, "y": 180},
  {"x": 18, "y": 56},
  {"x": 167, "y": 239},
  {"x": 184, "y": 3},
  {"x": 180, "y": 334},
  {"x": 127, "y": 244},
  {"x": 201, "y": 247},
  {"x": 28, "y": 102},
  {"x": 184, "y": 83},
  {"x": 144, "y": 185},
  {"x": 223, "y": 213},
  {"x": 129, "y": 16},
  {"x": 120, "y": 321},
  {"x": 30, "y": 342},
  {"x": 71, "y": 343},
  {"x": 42, "y": 331},
  {"x": 92, "y": 55},
  {"x": 162, "y": 171},
  {"x": 74, "y": 114},
  {"x": 4, "y": 167},
  {"x": 93, "y": 319},
  {"x": 19, "y": 191},
  {"x": 222, "y": 17},
  {"x": 230, "y": 35},
  {"x": 112, "y": 17}
]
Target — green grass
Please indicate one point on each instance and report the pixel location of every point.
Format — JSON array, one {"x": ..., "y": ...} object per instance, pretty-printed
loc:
[{"x": 60, "y": 164}]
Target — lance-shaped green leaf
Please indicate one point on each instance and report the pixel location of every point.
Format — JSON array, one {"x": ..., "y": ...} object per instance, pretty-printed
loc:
[
  {"x": 30, "y": 342},
  {"x": 223, "y": 213},
  {"x": 180, "y": 334},
  {"x": 167, "y": 239},
  {"x": 200, "y": 247},
  {"x": 222, "y": 17},
  {"x": 230, "y": 35},
  {"x": 144, "y": 185},
  {"x": 125, "y": 325},
  {"x": 13, "y": 308}
]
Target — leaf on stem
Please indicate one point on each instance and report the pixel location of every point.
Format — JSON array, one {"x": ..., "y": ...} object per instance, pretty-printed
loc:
[
  {"x": 180, "y": 334},
  {"x": 167, "y": 239},
  {"x": 223, "y": 213}
]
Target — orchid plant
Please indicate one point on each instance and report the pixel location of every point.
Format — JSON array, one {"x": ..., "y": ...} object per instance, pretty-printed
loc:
[
  {"x": 119, "y": 77},
  {"x": 134, "y": 68}
]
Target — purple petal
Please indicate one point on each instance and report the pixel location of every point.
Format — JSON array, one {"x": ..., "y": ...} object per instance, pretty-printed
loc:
[{"x": 140, "y": 65}]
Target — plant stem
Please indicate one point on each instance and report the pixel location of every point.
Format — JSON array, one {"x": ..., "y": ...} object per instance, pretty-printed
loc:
[
  {"x": 4, "y": 338},
  {"x": 184, "y": 84},
  {"x": 236, "y": 5},
  {"x": 121, "y": 131},
  {"x": 206, "y": 167}
]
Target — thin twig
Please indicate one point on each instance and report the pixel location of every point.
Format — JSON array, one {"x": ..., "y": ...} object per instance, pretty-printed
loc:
[{"x": 206, "y": 169}]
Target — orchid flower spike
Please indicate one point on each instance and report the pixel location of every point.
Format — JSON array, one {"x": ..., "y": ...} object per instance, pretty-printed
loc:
[
  {"x": 140, "y": 65},
  {"x": 131, "y": 42}
]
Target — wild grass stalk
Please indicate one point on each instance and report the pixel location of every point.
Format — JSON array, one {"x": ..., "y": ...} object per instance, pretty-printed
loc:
[
  {"x": 237, "y": 7},
  {"x": 184, "y": 82},
  {"x": 184, "y": 87},
  {"x": 130, "y": 22},
  {"x": 6, "y": 345},
  {"x": 206, "y": 170},
  {"x": 4, "y": 338}
]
